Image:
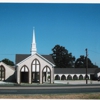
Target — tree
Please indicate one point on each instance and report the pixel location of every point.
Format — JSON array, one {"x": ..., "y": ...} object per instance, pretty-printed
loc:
[
  {"x": 8, "y": 62},
  {"x": 81, "y": 63},
  {"x": 61, "y": 57}
]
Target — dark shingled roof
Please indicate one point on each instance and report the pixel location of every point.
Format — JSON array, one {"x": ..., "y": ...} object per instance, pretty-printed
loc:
[
  {"x": 74, "y": 70},
  {"x": 48, "y": 57},
  {"x": 20, "y": 57}
]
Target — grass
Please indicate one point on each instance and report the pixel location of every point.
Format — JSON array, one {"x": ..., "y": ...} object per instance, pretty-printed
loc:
[{"x": 52, "y": 96}]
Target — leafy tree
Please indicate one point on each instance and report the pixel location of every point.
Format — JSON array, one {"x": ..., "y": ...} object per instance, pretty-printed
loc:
[
  {"x": 8, "y": 62},
  {"x": 81, "y": 63},
  {"x": 61, "y": 57}
]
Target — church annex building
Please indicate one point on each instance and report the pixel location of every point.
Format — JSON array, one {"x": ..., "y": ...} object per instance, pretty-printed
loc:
[{"x": 32, "y": 68}]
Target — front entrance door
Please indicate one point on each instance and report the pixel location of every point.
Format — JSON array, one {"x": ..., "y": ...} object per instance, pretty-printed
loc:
[{"x": 24, "y": 75}]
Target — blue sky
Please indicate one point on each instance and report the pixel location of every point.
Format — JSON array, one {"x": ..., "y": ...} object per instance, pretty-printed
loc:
[{"x": 74, "y": 26}]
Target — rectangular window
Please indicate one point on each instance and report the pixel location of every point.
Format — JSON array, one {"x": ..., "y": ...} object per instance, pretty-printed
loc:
[
  {"x": 37, "y": 68},
  {"x": 33, "y": 68},
  {"x": 2, "y": 69},
  {"x": 2, "y": 74}
]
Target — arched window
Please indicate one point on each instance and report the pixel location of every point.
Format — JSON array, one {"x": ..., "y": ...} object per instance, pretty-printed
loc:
[
  {"x": 80, "y": 77},
  {"x": 46, "y": 74},
  {"x": 75, "y": 77},
  {"x": 46, "y": 69},
  {"x": 57, "y": 77},
  {"x": 35, "y": 70},
  {"x": 69, "y": 77},
  {"x": 35, "y": 66},
  {"x": 87, "y": 77},
  {"x": 24, "y": 69},
  {"x": 24, "y": 74},
  {"x": 63, "y": 77},
  {"x": 2, "y": 73}
]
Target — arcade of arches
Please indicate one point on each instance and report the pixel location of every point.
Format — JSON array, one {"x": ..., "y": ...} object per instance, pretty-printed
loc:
[{"x": 70, "y": 77}]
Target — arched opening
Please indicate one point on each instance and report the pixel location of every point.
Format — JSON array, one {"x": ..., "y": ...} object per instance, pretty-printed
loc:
[
  {"x": 75, "y": 77},
  {"x": 80, "y": 77},
  {"x": 86, "y": 77},
  {"x": 46, "y": 74},
  {"x": 63, "y": 77},
  {"x": 35, "y": 70},
  {"x": 2, "y": 73},
  {"x": 57, "y": 77},
  {"x": 24, "y": 73},
  {"x": 69, "y": 77}
]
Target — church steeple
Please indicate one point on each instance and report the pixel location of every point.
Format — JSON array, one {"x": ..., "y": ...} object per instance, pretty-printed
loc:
[{"x": 33, "y": 48}]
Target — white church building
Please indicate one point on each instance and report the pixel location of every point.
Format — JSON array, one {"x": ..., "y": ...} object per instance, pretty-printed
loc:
[{"x": 32, "y": 68}]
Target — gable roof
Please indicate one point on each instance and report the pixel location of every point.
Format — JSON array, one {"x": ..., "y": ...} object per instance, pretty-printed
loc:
[
  {"x": 49, "y": 57},
  {"x": 2, "y": 63},
  {"x": 74, "y": 70},
  {"x": 22, "y": 57}
]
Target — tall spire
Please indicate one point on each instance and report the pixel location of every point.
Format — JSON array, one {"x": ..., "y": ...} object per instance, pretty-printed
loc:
[{"x": 33, "y": 48}]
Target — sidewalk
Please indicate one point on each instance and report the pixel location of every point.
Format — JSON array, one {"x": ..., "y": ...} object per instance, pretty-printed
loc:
[
  {"x": 1, "y": 82},
  {"x": 76, "y": 82},
  {"x": 59, "y": 82}
]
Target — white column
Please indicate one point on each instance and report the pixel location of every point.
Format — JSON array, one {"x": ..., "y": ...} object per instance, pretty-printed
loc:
[
  {"x": 18, "y": 75},
  {"x": 40, "y": 75},
  {"x": 52, "y": 75},
  {"x": 30, "y": 78}
]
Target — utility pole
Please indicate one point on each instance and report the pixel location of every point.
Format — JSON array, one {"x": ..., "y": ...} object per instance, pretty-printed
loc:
[{"x": 86, "y": 65}]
